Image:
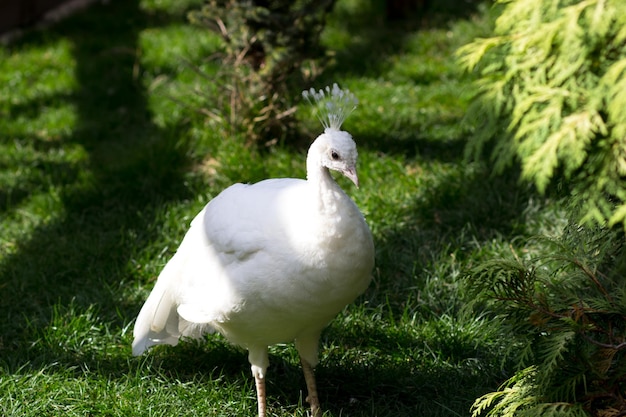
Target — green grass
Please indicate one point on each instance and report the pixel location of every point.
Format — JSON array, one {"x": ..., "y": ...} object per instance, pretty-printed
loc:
[{"x": 101, "y": 172}]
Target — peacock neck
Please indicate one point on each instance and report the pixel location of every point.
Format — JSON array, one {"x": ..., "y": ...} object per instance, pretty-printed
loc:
[{"x": 328, "y": 194}]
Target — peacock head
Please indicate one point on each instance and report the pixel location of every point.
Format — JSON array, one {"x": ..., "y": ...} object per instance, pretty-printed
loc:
[
  {"x": 337, "y": 151},
  {"x": 334, "y": 149}
]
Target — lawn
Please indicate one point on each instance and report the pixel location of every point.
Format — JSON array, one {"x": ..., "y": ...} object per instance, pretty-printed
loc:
[{"x": 103, "y": 165}]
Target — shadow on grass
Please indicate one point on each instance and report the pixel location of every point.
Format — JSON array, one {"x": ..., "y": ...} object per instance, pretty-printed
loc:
[
  {"x": 375, "y": 38},
  {"x": 109, "y": 202}
]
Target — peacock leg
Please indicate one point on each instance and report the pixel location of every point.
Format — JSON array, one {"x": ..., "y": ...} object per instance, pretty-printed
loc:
[
  {"x": 260, "y": 394},
  {"x": 311, "y": 386},
  {"x": 259, "y": 361}
]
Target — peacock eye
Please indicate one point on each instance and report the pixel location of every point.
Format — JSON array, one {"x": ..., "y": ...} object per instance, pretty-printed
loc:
[{"x": 334, "y": 155}]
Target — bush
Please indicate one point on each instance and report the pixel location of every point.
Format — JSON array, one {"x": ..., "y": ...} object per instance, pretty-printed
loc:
[
  {"x": 551, "y": 97},
  {"x": 566, "y": 312},
  {"x": 265, "y": 44}
]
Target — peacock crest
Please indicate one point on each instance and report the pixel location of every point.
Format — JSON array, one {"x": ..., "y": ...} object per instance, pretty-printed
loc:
[{"x": 333, "y": 105}]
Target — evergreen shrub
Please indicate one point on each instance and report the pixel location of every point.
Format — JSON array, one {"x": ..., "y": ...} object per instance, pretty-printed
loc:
[
  {"x": 552, "y": 97},
  {"x": 565, "y": 313}
]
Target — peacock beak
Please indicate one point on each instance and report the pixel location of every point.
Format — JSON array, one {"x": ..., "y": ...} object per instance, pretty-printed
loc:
[{"x": 350, "y": 173}]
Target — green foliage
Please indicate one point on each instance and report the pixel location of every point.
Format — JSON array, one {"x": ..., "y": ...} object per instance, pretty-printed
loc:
[
  {"x": 517, "y": 397},
  {"x": 265, "y": 44},
  {"x": 550, "y": 96},
  {"x": 566, "y": 312}
]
